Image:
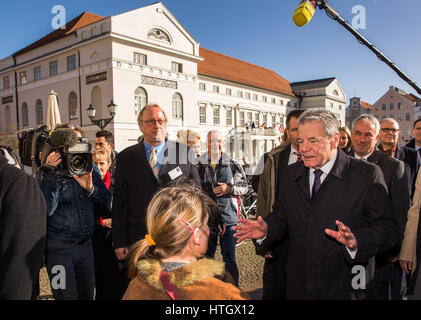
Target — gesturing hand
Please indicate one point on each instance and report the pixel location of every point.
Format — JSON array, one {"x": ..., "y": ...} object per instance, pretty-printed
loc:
[
  {"x": 221, "y": 189},
  {"x": 250, "y": 229},
  {"x": 343, "y": 235}
]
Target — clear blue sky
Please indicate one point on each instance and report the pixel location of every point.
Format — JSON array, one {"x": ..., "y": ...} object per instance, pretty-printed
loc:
[{"x": 263, "y": 33}]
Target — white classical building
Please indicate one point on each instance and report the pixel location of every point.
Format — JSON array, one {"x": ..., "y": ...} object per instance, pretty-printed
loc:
[{"x": 146, "y": 56}]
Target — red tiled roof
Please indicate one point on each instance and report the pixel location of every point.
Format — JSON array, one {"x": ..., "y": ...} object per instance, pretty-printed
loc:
[
  {"x": 365, "y": 105},
  {"x": 80, "y": 21},
  {"x": 227, "y": 68}
]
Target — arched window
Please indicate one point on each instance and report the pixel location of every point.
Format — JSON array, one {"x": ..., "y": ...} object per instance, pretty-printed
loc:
[
  {"x": 39, "y": 112},
  {"x": 158, "y": 34},
  {"x": 177, "y": 106},
  {"x": 140, "y": 100},
  {"x": 8, "y": 118},
  {"x": 96, "y": 100},
  {"x": 24, "y": 114},
  {"x": 73, "y": 106}
]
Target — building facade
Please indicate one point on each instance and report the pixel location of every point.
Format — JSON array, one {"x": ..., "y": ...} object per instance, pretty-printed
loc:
[
  {"x": 399, "y": 105},
  {"x": 98, "y": 59},
  {"x": 356, "y": 108}
]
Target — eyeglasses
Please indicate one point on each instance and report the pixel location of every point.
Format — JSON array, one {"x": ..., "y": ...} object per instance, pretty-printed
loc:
[
  {"x": 152, "y": 122},
  {"x": 386, "y": 130}
]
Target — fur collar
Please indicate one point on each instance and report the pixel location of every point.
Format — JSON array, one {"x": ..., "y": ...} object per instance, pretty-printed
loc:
[{"x": 149, "y": 271}]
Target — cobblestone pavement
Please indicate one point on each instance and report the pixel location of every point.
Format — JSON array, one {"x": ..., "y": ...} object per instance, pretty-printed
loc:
[{"x": 249, "y": 264}]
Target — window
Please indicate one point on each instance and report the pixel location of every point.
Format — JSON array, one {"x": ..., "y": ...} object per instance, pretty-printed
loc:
[
  {"x": 408, "y": 132},
  {"x": 273, "y": 101},
  {"x": 239, "y": 94},
  {"x": 340, "y": 107},
  {"x": 6, "y": 82},
  {"x": 140, "y": 100},
  {"x": 71, "y": 62},
  {"x": 355, "y": 111},
  {"x": 202, "y": 113},
  {"x": 392, "y": 106},
  {"x": 281, "y": 102},
  {"x": 384, "y": 106},
  {"x": 140, "y": 58},
  {"x": 24, "y": 114},
  {"x": 255, "y": 97},
  {"x": 408, "y": 116},
  {"x": 248, "y": 95},
  {"x": 391, "y": 116},
  {"x": 216, "y": 115},
  {"x": 202, "y": 86},
  {"x": 229, "y": 117},
  {"x": 383, "y": 116},
  {"x": 265, "y": 119},
  {"x": 8, "y": 116},
  {"x": 228, "y": 91},
  {"x": 22, "y": 77},
  {"x": 72, "y": 105},
  {"x": 256, "y": 120},
  {"x": 400, "y": 116},
  {"x": 242, "y": 118},
  {"x": 215, "y": 89},
  {"x": 37, "y": 73},
  {"x": 249, "y": 118},
  {"x": 273, "y": 119},
  {"x": 176, "y": 67},
  {"x": 265, "y": 99},
  {"x": 53, "y": 68},
  {"x": 38, "y": 112},
  {"x": 177, "y": 106},
  {"x": 399, "y": 105}
]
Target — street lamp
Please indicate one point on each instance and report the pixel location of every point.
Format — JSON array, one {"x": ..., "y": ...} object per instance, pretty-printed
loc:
[{"x": 102, "y": 123}]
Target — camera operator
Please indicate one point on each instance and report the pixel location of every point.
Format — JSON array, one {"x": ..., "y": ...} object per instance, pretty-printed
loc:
[{"x": 70, "y": 226}]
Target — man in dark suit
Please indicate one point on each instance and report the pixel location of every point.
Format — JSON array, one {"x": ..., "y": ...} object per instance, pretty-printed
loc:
[
  {"x": 274, "y": 269},
  {"x": 389, "y": 137},
  {"x": 327, "y": 190},
  {"x": 140, "y": 171},
  {"x": 415, "y": 142},
  {"x": 365, "y": 135}
]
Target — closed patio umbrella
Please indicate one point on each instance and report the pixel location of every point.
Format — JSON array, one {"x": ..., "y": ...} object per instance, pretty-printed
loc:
[{"x": 53, "y": 113}]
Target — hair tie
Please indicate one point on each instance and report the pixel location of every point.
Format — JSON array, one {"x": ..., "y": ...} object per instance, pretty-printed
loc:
[{"x": 150, "y": 241}]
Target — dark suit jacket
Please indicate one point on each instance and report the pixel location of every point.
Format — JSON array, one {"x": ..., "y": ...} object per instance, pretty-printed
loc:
[
  {"x": 355, "y": 193},
  {"x": 135, "y": 185},
  {"x": 412, "y": 161}
]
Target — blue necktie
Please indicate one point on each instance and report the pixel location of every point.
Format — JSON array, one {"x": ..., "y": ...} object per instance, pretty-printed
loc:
[{"x": 316, "y": 183}]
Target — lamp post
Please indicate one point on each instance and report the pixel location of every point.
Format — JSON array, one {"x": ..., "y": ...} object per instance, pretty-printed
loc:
[{"x": 102, "y": 123}]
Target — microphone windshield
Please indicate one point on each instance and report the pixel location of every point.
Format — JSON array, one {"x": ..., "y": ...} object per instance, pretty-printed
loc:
[
  {"x": 64, "y": 137},
  {"x": 303, "y": 13}
]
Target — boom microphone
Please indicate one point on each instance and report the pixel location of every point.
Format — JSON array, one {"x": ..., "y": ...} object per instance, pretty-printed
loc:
[
  {"x": 304, "y": 12},
  {"x": 64, "y": 137}
]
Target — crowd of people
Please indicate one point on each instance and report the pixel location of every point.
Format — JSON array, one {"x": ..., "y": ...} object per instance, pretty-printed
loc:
[{"x": 146, "y": 222}]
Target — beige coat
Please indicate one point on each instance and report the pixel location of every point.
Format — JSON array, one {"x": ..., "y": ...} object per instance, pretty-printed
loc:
[
  {"x": 266, "y": 193},
  {"x": 408, "y": 249},
  {"x": 204, "y": 279}
]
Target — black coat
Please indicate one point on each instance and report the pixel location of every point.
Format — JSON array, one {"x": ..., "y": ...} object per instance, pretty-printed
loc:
[
  {"x": 412, "y": 161},
  {"x": 23, "y": 227},
  {"x": 135, "y": 184},
  {"x": 355, "y": 193}
]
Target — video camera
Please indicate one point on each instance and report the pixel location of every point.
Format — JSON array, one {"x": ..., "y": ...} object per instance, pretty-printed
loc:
[{"x": 36, "y": 145}]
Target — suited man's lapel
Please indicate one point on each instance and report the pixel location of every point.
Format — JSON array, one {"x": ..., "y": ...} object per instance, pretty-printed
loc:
[
  {"x": 301, "y": 178},
  {"x": 144, "y": 158},
  {"x": 375, "y": 157}
]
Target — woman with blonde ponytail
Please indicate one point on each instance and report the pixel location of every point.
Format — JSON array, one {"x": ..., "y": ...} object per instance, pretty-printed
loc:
[{"x": 168, "y": 263}]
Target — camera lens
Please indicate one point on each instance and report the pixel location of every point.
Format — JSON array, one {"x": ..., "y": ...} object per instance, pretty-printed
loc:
[{"x": 77, "y": 163}]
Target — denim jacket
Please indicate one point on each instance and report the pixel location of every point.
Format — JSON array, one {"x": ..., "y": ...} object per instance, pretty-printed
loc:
[{"x": 70, "y": 208}]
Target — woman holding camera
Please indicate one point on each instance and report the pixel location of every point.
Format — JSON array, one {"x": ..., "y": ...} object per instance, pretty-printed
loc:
[{"x": 167, "y": 264}]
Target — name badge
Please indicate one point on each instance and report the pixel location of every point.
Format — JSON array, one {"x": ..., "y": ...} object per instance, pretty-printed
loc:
[{"x": 175, "y": 173}]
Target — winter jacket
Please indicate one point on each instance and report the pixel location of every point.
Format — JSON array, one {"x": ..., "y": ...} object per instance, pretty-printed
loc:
[
  {"x": 226, "y": 171},
  {"x": 204, "y": 279},
  {"x": 23, "y": 223}
]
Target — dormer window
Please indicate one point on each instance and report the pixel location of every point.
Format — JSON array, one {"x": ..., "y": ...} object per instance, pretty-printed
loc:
[{"x": 158, "y": 34}]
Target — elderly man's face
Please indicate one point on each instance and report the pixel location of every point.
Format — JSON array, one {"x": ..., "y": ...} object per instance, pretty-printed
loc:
[
  {"x": 215, "y": 142},
  {"x": 364, "y": 137},
  {"x": 315, "y": 147},
  {"x": 153, "y": 126},
  {"x": 389, "y": 132}
]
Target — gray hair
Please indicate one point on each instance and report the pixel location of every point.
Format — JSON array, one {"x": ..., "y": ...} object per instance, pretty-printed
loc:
[
  {"x": 326, "y": 118},
  {"x": 214, "y": 133},
  {"x": 367, "y": 118}
]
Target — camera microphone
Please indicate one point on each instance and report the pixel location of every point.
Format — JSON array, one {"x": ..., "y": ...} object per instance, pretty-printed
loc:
[{"x": 64, "y": 138}]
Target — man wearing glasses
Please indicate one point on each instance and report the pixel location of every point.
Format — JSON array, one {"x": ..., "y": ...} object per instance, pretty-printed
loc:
[
  {"x": 140, "y": 171},
  {"x": 389, "y": 137}
]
